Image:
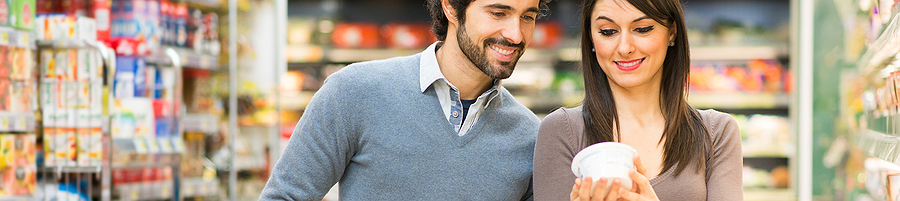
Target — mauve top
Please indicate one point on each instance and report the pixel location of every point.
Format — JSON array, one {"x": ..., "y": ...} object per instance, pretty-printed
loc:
[{"x": 561, "y": 136}]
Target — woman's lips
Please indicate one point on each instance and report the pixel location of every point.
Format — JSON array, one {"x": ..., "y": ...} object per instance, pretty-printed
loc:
[{"x": 629, "y": 65}]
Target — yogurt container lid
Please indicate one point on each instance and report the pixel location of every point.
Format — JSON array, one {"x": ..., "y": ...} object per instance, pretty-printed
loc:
[{"x": 576, "y": 161}]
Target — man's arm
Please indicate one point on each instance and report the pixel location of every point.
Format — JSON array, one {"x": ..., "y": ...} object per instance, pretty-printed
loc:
[{"x": 317, "y": 153}]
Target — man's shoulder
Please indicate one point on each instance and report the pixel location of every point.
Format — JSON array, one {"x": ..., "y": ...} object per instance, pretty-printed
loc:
[
  {"x": 377, "y": 71},
  {"x": 511, "y": 104}
]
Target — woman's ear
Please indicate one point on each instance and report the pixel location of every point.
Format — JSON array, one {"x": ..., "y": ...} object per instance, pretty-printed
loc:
[
  {"x": 449, "y": 12},
  {"x": 672, "y": 33}
]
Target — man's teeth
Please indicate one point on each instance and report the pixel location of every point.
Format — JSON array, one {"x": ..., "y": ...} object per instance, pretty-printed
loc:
[
  {"x": 501, "y": 51},
  {"x": 630, "y": 64}
]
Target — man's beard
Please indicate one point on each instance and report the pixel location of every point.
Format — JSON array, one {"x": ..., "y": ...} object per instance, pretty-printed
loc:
[{"x": 478, "y": 55}]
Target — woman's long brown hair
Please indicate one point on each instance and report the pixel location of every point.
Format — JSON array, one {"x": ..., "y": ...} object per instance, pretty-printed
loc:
[{"x": 685, "y": 136}]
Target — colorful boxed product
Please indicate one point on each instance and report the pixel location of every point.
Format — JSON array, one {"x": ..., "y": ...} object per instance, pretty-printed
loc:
[
  {"x": 50, "y": 158},
  {"x": 85, "y": 28},
  {"x": 356, "y": 35},
  {"x": 71, "y": 148},
  {"x": 45, "y": 6},
  {"x": 22, "y": 14},
  {"x": 84, "y": 143},
  {"x": 95, "y": 151},
  {"x": 7, "y": 150},
  {"x": 547, "y": 34},
  {"x": 20, "y": 180},
  {"x": 25, "y": 149},
  {"x": 5, "y": 99},
  {"x": 100, "y": 11},
  {"x": 20, "y": 94},
  {"x": 407, "y": 35},
  {"x": 5, "y": 61},
  {"x": 5, "y": 11},
  {"x": 47, "y": 63},
  {"x": 22, "y": 61}
]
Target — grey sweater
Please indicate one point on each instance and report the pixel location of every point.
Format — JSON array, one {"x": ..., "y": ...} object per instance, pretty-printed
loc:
[
  {"x": 372, "y": 129},
  {"x": 561, "y": 136}
]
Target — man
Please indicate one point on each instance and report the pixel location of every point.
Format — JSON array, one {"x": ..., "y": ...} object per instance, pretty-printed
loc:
[{"x": 431, "y": 126}]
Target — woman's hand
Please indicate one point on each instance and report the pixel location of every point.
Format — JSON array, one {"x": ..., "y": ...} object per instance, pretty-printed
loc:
[
  {"x": 582, "y": 190},
  {"x": 641, "y": 189}
]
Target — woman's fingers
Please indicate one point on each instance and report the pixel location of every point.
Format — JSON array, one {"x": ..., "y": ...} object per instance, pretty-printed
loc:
[
  {"x": 614, "y": 190},
  {"x": 640, "y": 165},
  {"x": 585, "y": 191},
  {"x": 643, "y": 184},
  {"x": 574, "y": 194},
  {"x": 599, "y": 190},
  {"x": 628, "y": 195}
]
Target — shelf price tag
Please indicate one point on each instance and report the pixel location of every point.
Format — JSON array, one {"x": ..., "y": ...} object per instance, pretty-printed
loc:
[
  {"x": 21, "y": 124},
  {"x": 4, "y": 37},
  {"x": 134, "y": 194},
  {"x": 152, "y": 145},
  {"x": 23, "y": 40},
  {"x": 140, "y": 146},
  {"x": 4, "y": 123}
]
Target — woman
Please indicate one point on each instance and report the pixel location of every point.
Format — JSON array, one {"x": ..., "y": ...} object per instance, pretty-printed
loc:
[{"x": 635, "y": 61}]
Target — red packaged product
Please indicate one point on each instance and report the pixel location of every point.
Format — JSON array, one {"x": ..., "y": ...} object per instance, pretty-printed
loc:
[
  {"x": 99, "y": 10},
  {"x": 45, "y": 6},
  {"x": 407, "y": 35},
  {"x": 130, "y": 47},
  {"x": 71, "y": 7},
  {"x": 547, "y": 34},
  {"x": 355, "y": 35}
]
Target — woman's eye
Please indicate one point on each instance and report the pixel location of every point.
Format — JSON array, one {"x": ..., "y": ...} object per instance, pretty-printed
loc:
[
  {"x": 644, "y": 29},
  {"x": 607, "y": 32}
]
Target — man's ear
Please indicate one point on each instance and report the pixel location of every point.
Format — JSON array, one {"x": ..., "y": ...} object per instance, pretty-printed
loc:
[{"x": 449, "y": 12}]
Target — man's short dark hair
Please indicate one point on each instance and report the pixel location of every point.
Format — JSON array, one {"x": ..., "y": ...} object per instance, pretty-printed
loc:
[{"x": 440, "y": 23}]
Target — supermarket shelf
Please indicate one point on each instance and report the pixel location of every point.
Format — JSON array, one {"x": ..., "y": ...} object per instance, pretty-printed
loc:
[
  {"x": 762, "y": 194},
  {"x": 316, "y": 54},
  {"x": 18, "y": 198},
  {"x": 356, "y": 55},
  {"x": 16, "y": 38},
  {"x": 738, "y": 100},
  {"x": 877, "y": 144},
  {"x": 199, "y": 187},
  {"x": 544, "y": 104},
  {"x": 17, "y": 122},
  {"x": 189, "y": 59},
  {"x": 738, "y": 52},
  {"x": 882, "y": 57},
  {"x": 295, "y": 101},
  {"x": 143, "y": 165},
  {"x": 67, "y": 44},
  {"x": 707, "y": 53},
  {"x": 88, "y": 169},
  {"x": 201, "y": 123},
  {"x": 160, "y": 190}
]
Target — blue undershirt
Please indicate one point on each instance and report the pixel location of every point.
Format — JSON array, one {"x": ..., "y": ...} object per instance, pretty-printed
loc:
[{"x": 465, "y": 106}]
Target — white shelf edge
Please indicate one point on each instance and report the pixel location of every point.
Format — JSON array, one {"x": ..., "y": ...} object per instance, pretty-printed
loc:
[{"x": 737, "y": 100}]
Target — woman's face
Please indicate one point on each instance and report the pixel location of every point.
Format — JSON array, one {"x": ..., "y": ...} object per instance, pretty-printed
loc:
[{"x": 630, "y": 46}]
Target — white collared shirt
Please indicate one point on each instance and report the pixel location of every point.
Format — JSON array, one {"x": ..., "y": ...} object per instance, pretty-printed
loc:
[{"x": 430, "y": 75}]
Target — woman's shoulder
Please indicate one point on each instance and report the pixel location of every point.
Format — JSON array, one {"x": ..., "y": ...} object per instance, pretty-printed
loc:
[
  {"x": 564, "y": 114},
  {"x": 721, "y": 126}
]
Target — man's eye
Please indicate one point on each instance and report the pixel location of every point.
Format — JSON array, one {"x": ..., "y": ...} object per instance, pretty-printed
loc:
[
  {"x": 498, "y": 14},
  {"x": 528, "y": 18},
  {"x": 608, "y": 32},
  {"x": 644, "y": 29}
]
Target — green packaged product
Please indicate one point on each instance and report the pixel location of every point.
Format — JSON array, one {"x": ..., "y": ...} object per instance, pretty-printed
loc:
[
  {"x": 22, "y": 14},
  {"x": 5, "y": 11}
]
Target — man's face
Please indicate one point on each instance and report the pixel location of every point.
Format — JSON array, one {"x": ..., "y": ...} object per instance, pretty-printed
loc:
[{"x": 494, "y": 34}]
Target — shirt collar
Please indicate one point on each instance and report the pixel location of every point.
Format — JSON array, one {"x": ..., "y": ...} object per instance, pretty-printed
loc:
[{"x": 430, "y": 72}]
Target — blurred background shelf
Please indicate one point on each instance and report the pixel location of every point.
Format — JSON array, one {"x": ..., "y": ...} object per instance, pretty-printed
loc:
[
  {"x": 16, "y": 38},
  {"x": 17, "y": 122},
  {"x": 738, "y": 100},
  {"x": 764, "y": 194}
]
